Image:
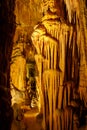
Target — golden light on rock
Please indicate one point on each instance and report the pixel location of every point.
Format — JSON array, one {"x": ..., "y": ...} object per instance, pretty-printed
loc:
[{"x": 49, "y": 63}]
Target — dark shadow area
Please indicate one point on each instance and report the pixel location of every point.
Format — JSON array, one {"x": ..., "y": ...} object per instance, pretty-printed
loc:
[{"x": 7, "y": 29}]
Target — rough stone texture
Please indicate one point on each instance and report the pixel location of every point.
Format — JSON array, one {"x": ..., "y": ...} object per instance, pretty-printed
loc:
[
  {"x": 61, "y": 57},
  {"x": 7, "y": 28},
  {"x": 28, "y": 13}
]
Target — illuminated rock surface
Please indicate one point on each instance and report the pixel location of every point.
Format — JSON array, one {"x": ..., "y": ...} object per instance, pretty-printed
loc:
[
  {"x": 60, "y": 40},
  {"x": 61, "y": 66}
]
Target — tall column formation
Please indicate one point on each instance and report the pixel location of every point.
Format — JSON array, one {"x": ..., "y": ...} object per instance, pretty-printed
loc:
[{"x": 58, "y": 64}]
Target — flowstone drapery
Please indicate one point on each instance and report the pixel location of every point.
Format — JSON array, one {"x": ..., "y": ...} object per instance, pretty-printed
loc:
[{"x": 57, "y": 59}]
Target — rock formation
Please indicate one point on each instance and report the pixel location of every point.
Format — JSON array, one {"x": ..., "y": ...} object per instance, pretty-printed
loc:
[{"x": 61, "y": 61}]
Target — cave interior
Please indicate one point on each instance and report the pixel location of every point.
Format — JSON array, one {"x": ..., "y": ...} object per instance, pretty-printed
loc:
[{"x": 43, "y": 65}]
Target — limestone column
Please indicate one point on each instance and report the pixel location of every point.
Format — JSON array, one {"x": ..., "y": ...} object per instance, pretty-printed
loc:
[{"x": 55, "y": 43}]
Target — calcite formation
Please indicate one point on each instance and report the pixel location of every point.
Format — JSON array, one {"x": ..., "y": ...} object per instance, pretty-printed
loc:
[{"x": 61, "y": 61}]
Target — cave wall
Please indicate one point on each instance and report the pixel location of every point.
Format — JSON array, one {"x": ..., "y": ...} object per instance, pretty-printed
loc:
[
  {"x": 22, "y": 22},
  {"x": 28, "y": 13},
  {"x": 7, "y": 28}
]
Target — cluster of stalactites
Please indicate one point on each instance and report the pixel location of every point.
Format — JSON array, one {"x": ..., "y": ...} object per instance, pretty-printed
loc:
[
  {"x": 77, "y": 10},
  {"x": 72, "y": 7},
  {"x": 51, "y": 40}
]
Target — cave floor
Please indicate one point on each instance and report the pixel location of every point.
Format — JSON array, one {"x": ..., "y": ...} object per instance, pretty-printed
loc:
[{"x": 32, "y": 120}]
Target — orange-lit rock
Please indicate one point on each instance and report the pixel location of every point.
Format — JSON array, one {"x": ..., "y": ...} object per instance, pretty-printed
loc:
[
  {"x": 59, "y": 65},
  {"x": 60, "y": 42}
]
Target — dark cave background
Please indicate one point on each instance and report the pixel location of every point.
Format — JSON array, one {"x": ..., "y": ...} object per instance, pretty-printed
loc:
[{"x": 7, "y": 29}]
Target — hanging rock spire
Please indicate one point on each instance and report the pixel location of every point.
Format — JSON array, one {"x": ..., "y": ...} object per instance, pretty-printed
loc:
[{"x": 58, "y": 64}]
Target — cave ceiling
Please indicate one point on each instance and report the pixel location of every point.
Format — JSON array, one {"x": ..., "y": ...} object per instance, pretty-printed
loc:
[{"x": 28, "y": 13}]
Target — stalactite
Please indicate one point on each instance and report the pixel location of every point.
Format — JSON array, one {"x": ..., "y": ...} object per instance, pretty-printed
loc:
[
  {"x": 63, "y": 61},
  {"x": 68, "y": 4},
  {"x": 54, "y": 51}
]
